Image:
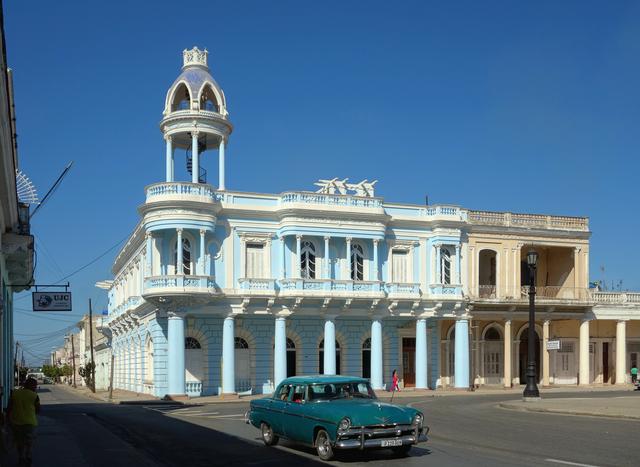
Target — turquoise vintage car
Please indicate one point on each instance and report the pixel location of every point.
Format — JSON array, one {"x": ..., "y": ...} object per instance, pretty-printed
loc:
[{"x": 335, "y": 412}]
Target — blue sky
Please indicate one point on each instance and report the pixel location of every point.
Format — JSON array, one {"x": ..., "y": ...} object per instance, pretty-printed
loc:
[{"x": 514, "y": 106}]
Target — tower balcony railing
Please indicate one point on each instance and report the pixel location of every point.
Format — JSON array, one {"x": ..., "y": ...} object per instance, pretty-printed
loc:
[
  {"x": 557, "y": 292},
  {"x": 181, "y": 191}
]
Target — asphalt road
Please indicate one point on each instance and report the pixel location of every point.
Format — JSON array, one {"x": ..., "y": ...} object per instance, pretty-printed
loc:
[{"x": 465, "y": 430}]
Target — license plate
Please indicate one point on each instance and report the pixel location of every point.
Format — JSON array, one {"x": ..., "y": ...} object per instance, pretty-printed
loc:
[{"x": 391, "y": 442}]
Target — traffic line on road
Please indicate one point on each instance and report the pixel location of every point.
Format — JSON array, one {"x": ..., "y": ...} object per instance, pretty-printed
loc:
[{"x": 559, "y": 461}]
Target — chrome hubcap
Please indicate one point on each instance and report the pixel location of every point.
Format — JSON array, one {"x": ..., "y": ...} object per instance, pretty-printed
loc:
[
  {"x": 266, "y": 433},
  {"x": 323, "y": 444}
]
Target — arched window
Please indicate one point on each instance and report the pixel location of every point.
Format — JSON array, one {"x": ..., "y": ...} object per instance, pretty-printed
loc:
[
  {"x": 148, "y": 359},
  {"x": 181, "y": 99},
  {"x": 291, "y": 358},
  {"x": 492, "y": 334},
  {"x": 321, "y": 357},
  {"x": 240, "y": 343},
  {"x": 308, "y": 260},
  {"x": 186, "y": 257},
  {"x": 208, "y": 100},
  {"x": 357, "y": 263},
  {"x": 366, "y": 358},
  {"x": 191, "y": 343},
  {"x": 242, "y": 358},
  {"x": 445, "y": 266}
]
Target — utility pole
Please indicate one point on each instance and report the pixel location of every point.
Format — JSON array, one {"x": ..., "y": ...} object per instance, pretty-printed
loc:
[
  {"x": 73, "y": 360},
  {"x": 111, "y": 376},
  {"x": 93, "y": 363},
  {"x": 16, "y": 370}
]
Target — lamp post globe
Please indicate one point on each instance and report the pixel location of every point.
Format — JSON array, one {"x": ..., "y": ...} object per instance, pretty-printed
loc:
[{"x": 531, "y": 389}]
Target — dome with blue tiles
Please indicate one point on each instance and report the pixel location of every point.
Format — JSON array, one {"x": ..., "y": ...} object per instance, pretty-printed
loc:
[{"x": 195, "y": 89}]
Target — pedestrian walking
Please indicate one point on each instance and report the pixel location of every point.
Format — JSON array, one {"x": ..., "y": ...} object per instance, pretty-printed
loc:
[
  {"x": 395, "y": 380},
  {"x": 24, "y": 404},
  {"x": 634, "y": 374}
]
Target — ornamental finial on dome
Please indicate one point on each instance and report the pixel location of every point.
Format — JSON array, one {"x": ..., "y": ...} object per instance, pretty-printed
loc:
[{"x": 194, "y": 56}]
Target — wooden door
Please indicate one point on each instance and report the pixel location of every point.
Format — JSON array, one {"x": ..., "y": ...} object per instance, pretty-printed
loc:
[{"x": 409, "y": 361}]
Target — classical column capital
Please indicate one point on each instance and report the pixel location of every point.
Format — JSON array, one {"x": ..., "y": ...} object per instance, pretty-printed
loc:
[
  {"x": 179, "y": 231},
  {"x": 167, "y": 137},
  {"x": 327, "y": 238},
  {"x": 348, "y": 239},
  {"x": 376, "y": 241},
  {"x": 281, "y": 238},
  {"x": 203, "y": 232},
  {"x": 623, "y": 321},
  {"x": 298, "y": 237}
]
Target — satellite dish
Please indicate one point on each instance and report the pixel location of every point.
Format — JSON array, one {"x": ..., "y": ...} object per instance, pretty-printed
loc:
[{"x": 27, "y": 193}]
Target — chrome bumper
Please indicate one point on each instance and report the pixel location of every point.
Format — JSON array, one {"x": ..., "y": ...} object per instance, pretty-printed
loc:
[{"x": 365, "y": 440}]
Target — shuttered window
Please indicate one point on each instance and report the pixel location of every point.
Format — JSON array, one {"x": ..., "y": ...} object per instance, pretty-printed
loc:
[
  {"x": 399, "y": 265},
  {"x": 254, "y": 261}
]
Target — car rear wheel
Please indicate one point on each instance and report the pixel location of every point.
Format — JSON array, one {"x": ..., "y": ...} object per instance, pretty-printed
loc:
[
  {"x": 402, "y": 450},
  {"x": 269, "y": 438},
  {"x": 323, "y": 446}
]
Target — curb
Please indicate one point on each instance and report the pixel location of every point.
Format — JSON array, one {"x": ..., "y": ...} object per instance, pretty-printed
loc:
[{"x": 519, "y": 408}]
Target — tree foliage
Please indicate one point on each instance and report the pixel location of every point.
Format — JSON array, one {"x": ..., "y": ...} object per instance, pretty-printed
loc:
[{"x": 87, "y": 374}]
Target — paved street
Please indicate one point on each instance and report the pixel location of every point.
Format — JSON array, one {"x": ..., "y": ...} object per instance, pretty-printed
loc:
[{"x": 466, "y": 430}]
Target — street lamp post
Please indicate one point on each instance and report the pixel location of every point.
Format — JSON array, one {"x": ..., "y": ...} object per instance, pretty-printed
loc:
[{"x": 531, "y": 390}]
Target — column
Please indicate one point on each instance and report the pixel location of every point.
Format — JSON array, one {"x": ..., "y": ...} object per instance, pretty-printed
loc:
[
  {"x": 438, "y": 264},
  {"x": 327, "y": 258},
  {"x": 347, "y": 269},
  {"x": 283, "y": 261},
  {"x": 584, "y": 353},
  {"x": 421, "y": 353},
  {"x": 202, "y": 251},
  {"x": 195, "y": 162},
  {"x": 149, "y": 255},
  {"x": 376, "y": 272},
  {"x": 329, "y": 347},
  {"x": 478, "y": 354},
  {"x": 169, "y": 157},
  {"x": 545, "y": 353},
  {"x": 462, "y": 354},
  {"x": 458, "y": 265},
  {"x": 298, "y": 256},
  {"x": 176, "y": 354},
  {"x": 221, "y": 165},
  {"x": 280, "y": 351},
  {"x": 507, "y": 354},
  {"x": 179, "y": 266},
  {"x": 376, "y": 354},
  {"x": 621, "y": 352},
  {"x": 228, "y": 356}
]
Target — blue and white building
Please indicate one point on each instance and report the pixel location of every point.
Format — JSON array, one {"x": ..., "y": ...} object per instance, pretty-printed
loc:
[{"x": 223, "y": 292}]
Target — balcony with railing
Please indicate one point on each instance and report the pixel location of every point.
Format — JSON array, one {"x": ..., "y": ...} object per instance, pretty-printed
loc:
[
  {"x": 181, "y": 191},
  {"x": 508, "y": 219},
  {"x": 179, "y": 285},
  {"x": 328, "y": 287},
  {"x": 252, "y": 285},
  {"x": 446, "y": 290},
  {"x": 310, "y": 200},
  {"x": 615, "y": 298},
  {"x": 402, "y": 290}
]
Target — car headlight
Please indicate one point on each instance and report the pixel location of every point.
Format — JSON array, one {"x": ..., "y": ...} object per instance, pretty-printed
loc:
[
  {"x": 417, "y": 420},
  {"x": 344, "y": 424}
]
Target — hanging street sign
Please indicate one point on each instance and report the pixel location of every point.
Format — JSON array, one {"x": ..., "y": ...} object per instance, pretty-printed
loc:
[
  {"x": 553, "y": 345},
  {"x": 51, "y": 301}
]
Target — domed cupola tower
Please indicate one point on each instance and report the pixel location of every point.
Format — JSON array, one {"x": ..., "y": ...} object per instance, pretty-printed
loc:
[{"x": 195, "y": 118}]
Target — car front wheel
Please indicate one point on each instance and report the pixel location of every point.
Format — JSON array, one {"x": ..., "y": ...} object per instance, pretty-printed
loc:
[
  {"x": 323, "y": 446},
  {"x": 269, "y": 438}
]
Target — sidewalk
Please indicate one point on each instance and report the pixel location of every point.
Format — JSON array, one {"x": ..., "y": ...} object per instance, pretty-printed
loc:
[
  {"x": 128, "y": 397},
  {"x": 625, "y": 407}
]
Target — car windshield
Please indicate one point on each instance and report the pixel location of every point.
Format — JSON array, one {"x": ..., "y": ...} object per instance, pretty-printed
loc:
[{"x": 327, "y": 391}]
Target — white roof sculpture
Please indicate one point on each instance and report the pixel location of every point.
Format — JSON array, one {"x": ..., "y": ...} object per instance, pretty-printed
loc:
[{"x": 336, "y": 186}]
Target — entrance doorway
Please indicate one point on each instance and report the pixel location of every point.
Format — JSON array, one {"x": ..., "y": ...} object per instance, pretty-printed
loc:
[
  {"x": 493, "y": 349},
  {"x": 409, "y": 361},
  {"x": 524, "y": 351},
  {"x": 605, "y": 362}
]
